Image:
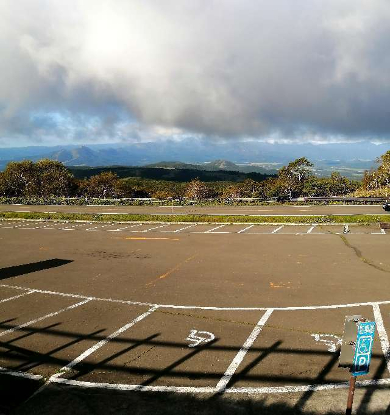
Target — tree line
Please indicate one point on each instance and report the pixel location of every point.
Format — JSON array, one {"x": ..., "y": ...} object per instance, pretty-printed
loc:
[{"x": 48, "y": 178}]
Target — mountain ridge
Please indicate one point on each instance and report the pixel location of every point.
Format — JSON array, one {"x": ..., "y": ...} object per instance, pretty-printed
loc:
[{"x": 351, "y": 159}]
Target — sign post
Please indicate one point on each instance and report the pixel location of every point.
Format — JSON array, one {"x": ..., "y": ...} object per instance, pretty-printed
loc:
[
  {"x": 359, "y": 334},
  {"x": 351, "y": 393}
]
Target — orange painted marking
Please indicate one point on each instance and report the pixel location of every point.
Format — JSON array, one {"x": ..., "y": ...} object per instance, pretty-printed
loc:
[{"x": 175, "y": 268}]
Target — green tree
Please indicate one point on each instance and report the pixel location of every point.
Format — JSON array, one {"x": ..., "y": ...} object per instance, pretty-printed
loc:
[
  {"x": 291, "y": 178},
  {"x": 383, "y": 170},
  {"x": 196, "y": 190},
  {"x": 315, "y": 187},
  {"x": 340, "y": 185},
  {"x": 231, "y": 192},
  {"x": 103, "y": 185},
  {"x": 379, "y": 179},
  {"x": 249, "y": 188},
  {"x": 54, "y": 178},
  {"x": 20, "y": 179}
]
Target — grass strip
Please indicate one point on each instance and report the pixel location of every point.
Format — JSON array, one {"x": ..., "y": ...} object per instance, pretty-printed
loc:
[{"x": 90, "y": 217}]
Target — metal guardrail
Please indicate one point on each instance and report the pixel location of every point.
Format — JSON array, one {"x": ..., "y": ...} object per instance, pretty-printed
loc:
[{"x": 340, "y": 199}]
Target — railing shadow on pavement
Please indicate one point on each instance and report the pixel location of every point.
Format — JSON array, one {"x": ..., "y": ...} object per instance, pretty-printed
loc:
[{"x": 22, "y": 358}]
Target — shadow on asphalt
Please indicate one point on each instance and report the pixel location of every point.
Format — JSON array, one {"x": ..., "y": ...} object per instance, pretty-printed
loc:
[
  {"x": 23, "y": 359},
  {"x": 18, "y": 270},
  {"x": 64, "y": 399}
]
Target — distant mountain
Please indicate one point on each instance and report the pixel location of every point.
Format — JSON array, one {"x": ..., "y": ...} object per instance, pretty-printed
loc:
[
  {"x": 215, "y": 165},
  {"x": 170, "y": 165},
  {"x": 75, "y": 157},
  {"x": 221, "y": 165},
  {"x": 210, "y": 165},
  {"x": 250, "y": 156}
]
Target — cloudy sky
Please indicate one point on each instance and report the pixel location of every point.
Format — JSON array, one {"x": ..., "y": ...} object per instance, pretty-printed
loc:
[{"x": 83, "y": 71}]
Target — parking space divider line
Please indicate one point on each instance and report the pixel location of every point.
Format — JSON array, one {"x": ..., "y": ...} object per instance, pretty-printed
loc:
[
  {"x": 21, "y": 326},
  {"x": 245, "y": 229},
  {"x": 150, "y": 229},
  {"x": 16, "y": 296},
  {"x": 278, "y": 229},
  {"x": 4, "y": 371},
  {"x": 186, "y": 227},
  {"x": 102, "y": 343},
  {"x": 56, "y": 378},
  {"x": 384, "y": 339},
  {"x": 222, "y": 384},
  {"x": 181, "y": 229},
  {"x": 213, "y": 229}
]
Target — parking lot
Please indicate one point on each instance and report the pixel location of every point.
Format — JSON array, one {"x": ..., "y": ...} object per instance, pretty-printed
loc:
[
  {"x": 169, "y": 228},
  {"x": 238, "y": 310}
]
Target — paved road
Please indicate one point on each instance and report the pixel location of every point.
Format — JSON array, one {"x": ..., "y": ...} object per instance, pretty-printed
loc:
[
  {"x": 224, "y": 210},
  {"x": 206, "y": 312}
]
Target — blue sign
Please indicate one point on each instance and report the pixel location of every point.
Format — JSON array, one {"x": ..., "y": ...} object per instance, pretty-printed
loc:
[{"x": 363, "y": 350}]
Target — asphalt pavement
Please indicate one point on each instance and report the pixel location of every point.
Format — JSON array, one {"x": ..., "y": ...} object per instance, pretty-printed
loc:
[
  {"x": 268, "y": 210},
  {"x": 253, "y": 319}
]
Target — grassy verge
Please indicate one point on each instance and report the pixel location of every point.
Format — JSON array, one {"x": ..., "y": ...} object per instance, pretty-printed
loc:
[{"x": 361, "y": 219}]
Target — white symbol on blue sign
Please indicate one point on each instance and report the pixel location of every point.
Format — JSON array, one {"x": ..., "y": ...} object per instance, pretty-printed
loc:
[{"x": 364, "y": 342}]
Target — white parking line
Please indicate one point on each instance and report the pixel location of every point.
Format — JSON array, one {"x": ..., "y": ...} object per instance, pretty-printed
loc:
[
  {"x": 102, "y": 343},
  {"x": 382, "y": 334},
  {"x": 16, "y": 296},
  {"x": 3, "y": 333},
  {"x": 182, "y": 229},
  {"x": 196, "y": 307},
  {"x": 212, "y": 390},
  {"x": 100, "y": 227},
  {"x": 4, "y": 371},
  {"x": 217, "y": 227},
  {"x": 306, "y": 388},
  {"x": 245, "y": 229},
  {"x": 155, "y": 227},
  {"x": 117, "y": 230},
  {"x": 221, "y": 386},
  {"x": 138, "y": 388}
]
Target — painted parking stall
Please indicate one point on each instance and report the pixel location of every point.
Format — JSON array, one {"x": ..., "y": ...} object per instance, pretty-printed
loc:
[
  {"x": 50, "y": 343},
  {"x": 222, "y": 311},
  {"x": 197, "y": 228},
  {"x": 161, "y": 347},
  {"x": 172, "y": 349}
]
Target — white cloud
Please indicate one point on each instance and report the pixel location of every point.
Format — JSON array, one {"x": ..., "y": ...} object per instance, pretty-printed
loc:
[{"x": 288, "y": 69}]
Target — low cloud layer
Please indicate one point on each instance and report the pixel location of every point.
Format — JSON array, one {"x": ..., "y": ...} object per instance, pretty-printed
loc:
[{"x": 135, "y": 70}]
